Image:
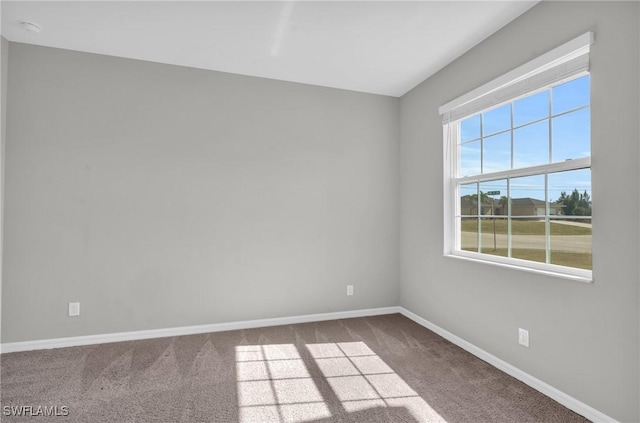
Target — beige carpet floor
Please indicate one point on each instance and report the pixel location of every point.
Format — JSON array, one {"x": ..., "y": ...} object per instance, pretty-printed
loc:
[{"x": 374, "y": 369}]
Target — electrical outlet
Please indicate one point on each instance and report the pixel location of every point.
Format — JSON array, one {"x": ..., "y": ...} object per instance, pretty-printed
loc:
[
  {"x": 74, "y": 309},
  {"x": 349, "y": 290},
  {"x": 523, "y": 337}
]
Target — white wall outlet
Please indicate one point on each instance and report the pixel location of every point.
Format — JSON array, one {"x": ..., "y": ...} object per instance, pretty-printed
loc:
[
  {"x": 523, "y": 337},
  {"x": 74, "y": 309},
  {"x": 349, "y": 290}
]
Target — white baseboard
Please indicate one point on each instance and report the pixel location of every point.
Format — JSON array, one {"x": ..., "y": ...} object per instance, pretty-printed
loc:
[
  {"x": 74, "y": 341},
  {"x": 564, "y": 399},
  {"x": 540, "y": 386}
]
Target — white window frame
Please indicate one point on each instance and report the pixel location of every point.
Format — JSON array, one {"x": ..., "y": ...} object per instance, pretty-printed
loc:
[{"x": 567, "y": 62}]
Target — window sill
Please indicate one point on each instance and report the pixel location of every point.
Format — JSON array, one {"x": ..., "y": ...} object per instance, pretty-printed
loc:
[{"x": 578, "y": 276}]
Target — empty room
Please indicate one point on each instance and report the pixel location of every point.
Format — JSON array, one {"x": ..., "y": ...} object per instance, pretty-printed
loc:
[{"x": 320, "y": 211}]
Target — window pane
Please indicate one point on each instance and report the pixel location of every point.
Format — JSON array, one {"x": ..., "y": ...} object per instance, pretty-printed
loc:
[
  {"x": 493, "y": 225},
  {"x": 497, "y": 153},
  {"x": 470, "y": 129},
  {"x": 491, "y": 193},
  {"x": 531, "y": 108},
  {"x": 527, "y": 196},
  {"x": 470, "y": 158},
  {"x": 468, "y": 225},
  {"x": 469, "y": 233},
  {"x": 570, "y": 192},
  {"x": 570, "y": 95},
  {"x": 571, "y": 135},
  {"x": 496, "y": 120},
  {"x": 494, "y": 232},
  {"x": 528, "y": 239},
  {"x": 531, "y": 145},
  {"x": 468, "y": 199},
  {"x": 571, "y": 243}
]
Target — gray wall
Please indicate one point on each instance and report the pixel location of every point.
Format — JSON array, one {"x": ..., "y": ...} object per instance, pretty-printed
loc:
[
  {"x": 161, "y": 196},
  {"x": 584, "y": 337},
  {"x": 4, "y": 56}
]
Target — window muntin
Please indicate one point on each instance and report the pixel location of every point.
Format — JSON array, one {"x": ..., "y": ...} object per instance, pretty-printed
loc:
[{"x": 523, "y": 180}]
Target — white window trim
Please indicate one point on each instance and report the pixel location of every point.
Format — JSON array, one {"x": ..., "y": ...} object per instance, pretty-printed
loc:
[
  {"x": 555, "y": 58},
  {"x": 566, "y": 53}
]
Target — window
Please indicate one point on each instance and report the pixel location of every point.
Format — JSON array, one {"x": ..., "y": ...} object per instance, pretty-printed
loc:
[{"x": 518, "y": 167}]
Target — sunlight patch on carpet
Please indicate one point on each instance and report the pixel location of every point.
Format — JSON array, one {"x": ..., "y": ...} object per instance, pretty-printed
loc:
[
  {"x": 275, "y": 385},
  {"x": 362, "y": 380}
]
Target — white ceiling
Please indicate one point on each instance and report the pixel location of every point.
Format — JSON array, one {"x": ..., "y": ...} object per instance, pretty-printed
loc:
[{"x": 383, "y": 47}]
